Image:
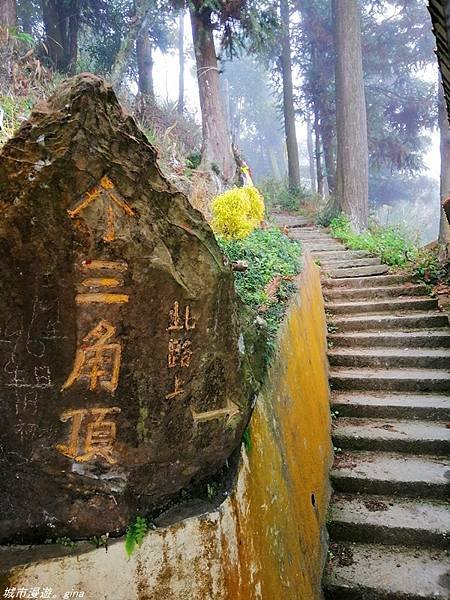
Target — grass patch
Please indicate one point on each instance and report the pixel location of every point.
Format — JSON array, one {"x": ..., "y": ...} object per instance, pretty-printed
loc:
[
  {"x": 394, "y": 247},
  {"x": 269, "y": 255},
  {"x": 277, "y": 194}
]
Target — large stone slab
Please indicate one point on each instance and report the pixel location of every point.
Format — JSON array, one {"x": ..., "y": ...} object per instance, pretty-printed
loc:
[{"x": 123, "y": 374}]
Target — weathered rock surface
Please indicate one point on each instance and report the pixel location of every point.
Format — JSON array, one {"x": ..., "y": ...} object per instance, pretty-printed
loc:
[{"x": 122, "y": 370}]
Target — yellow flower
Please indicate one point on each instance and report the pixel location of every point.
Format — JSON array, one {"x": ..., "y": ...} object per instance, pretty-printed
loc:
[{"x": 237, "y": 212}]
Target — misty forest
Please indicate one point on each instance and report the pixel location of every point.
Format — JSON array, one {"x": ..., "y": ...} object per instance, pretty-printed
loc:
[
  {"x": 213, "y": 84},
  {"x": 224, "y": 296}
]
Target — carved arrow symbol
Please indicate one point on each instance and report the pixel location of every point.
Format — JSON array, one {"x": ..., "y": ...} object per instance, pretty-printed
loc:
[
  {"x": 231, "y": 410},
  {"x": 105, "y": 189}
]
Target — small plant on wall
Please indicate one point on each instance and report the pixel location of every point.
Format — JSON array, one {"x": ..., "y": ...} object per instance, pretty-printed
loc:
[{"x": 135, "y": 535}]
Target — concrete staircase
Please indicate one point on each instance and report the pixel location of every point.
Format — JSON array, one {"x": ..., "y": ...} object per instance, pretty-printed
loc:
[{"x": 389, "y": 356}]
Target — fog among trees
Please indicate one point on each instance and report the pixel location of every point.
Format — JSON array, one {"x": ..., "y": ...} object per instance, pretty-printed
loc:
[{"x": 333, "y": 100}]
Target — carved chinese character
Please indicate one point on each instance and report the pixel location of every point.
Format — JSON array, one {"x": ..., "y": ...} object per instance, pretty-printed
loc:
[
  {"x": 101, "y": 298},
  {"x": 100, "y": 287},
  {"x": 115, "y": 205},
  {"x": 99, "y": 361},
  {"x": 180, "y": 353},
  {"x": 189, "y": 322},
  {"x": 99, "y": 438},
  {"x": 178, "y": 321},
  {"x": 178, "y": 389}
]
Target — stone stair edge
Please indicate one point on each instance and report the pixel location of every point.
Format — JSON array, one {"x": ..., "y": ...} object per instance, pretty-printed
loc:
[{"x": 398, "y": 575}]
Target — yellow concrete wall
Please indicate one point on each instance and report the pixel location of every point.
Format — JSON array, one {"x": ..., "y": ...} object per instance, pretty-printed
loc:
[{"x": 266, "y": 541}]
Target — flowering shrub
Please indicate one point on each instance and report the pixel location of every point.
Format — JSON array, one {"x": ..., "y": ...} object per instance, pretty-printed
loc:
[{"x": 237, "y": 212}]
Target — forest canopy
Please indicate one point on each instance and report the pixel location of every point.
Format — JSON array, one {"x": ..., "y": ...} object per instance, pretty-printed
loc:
[{"x": 266, "y": 81}]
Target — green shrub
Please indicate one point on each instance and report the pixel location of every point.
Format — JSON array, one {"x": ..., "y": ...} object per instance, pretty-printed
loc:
[
  {"x": 277, "y": 193},
  {"x": 329, "y": 212},
  {"x": 391, "y": 244},
  {"x": 193, "y": 159},
  {"x": 428, "y": 267},
  {"x": 15, "y": 110},
  {"x": 237, "y": 212},
  {"x": 269, "y": 254}
]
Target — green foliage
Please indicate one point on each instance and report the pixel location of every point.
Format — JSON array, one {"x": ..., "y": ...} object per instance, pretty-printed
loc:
[
  {"x": 269, "y": 254},
  {"x": 247, "y": 440},
  {"x": 391, "y": 244},
  {"x": 65, "y": 541},
  {"x": 237, "y": 212},
  {"x": 23, "y": 37},
  {"x": 151, "y": 136},
  {"x": 135, "y": 535},
  {"x": 193, "y": 159},
  {"x": 395, "y": 248},
  {"x": 99, "y": 541},
  {"x": 241, "y": 24},
  {"x": 212, "y": 490},
  {"x": 15, "y": 109},
  {"x": 428, "y": 267},
  {"x": 277, "y": 193},
  {"x": 327, "y": 214}
]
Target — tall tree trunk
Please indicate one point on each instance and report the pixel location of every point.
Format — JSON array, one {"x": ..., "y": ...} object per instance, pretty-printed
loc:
[
  {"x": 325, "y": 187},
  {"x": 139, "y": 24},
  {"x": 444, "y": 227},
  {"x": 145, "y": 65},
  {"x": 180, "y": 106},
  {"x": 317, "y": 153},
  {"x": 225, "y": 87},
  {"x": 8, "y": 20},
  {"x": 352, "y": 185},
  {"x": 273, "y": 162},
  {"x": 216, "y": 148},
  {"x": 288, "y": 99},
  {"x": 61, "y": 24},
  {"x": 328, "y": 156},
  {"x": 310, "y": 147}
]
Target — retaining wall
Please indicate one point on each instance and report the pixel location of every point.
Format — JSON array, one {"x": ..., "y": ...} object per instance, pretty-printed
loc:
[{"x": 267, "y": 540}]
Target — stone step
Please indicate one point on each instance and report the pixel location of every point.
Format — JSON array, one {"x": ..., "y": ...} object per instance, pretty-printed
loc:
[
  {"x": 311, "y": 243},
  {"x": 292, "y": 221},
  {"x": 309, "y": 234},
  {"x": 387, "y": 520},
  {"x": 335, "y": 254},
  {"x": 385, "y": 473},
  {"x": 364, "y": 282},
  {"x": 391, "y": 405},
  {"x": 394, "y": 305},
  {"x": 321, "y": 247},
  {"x": 392, "y": 435},
  {"x": 412, "y": 338},
  {"x": 309, "y": 240},
  {"x": 300, "y": 224},
  {"x": 342, "y": 263},
  {"x": 382, "y": 358},
  {"x": 399, "y": 380},
  {"x": 372, "y": 293},
  {"x": 377, "y": 572},
  {"x": 358, "y": 271},
  {"x": 413, "y": 320}
]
